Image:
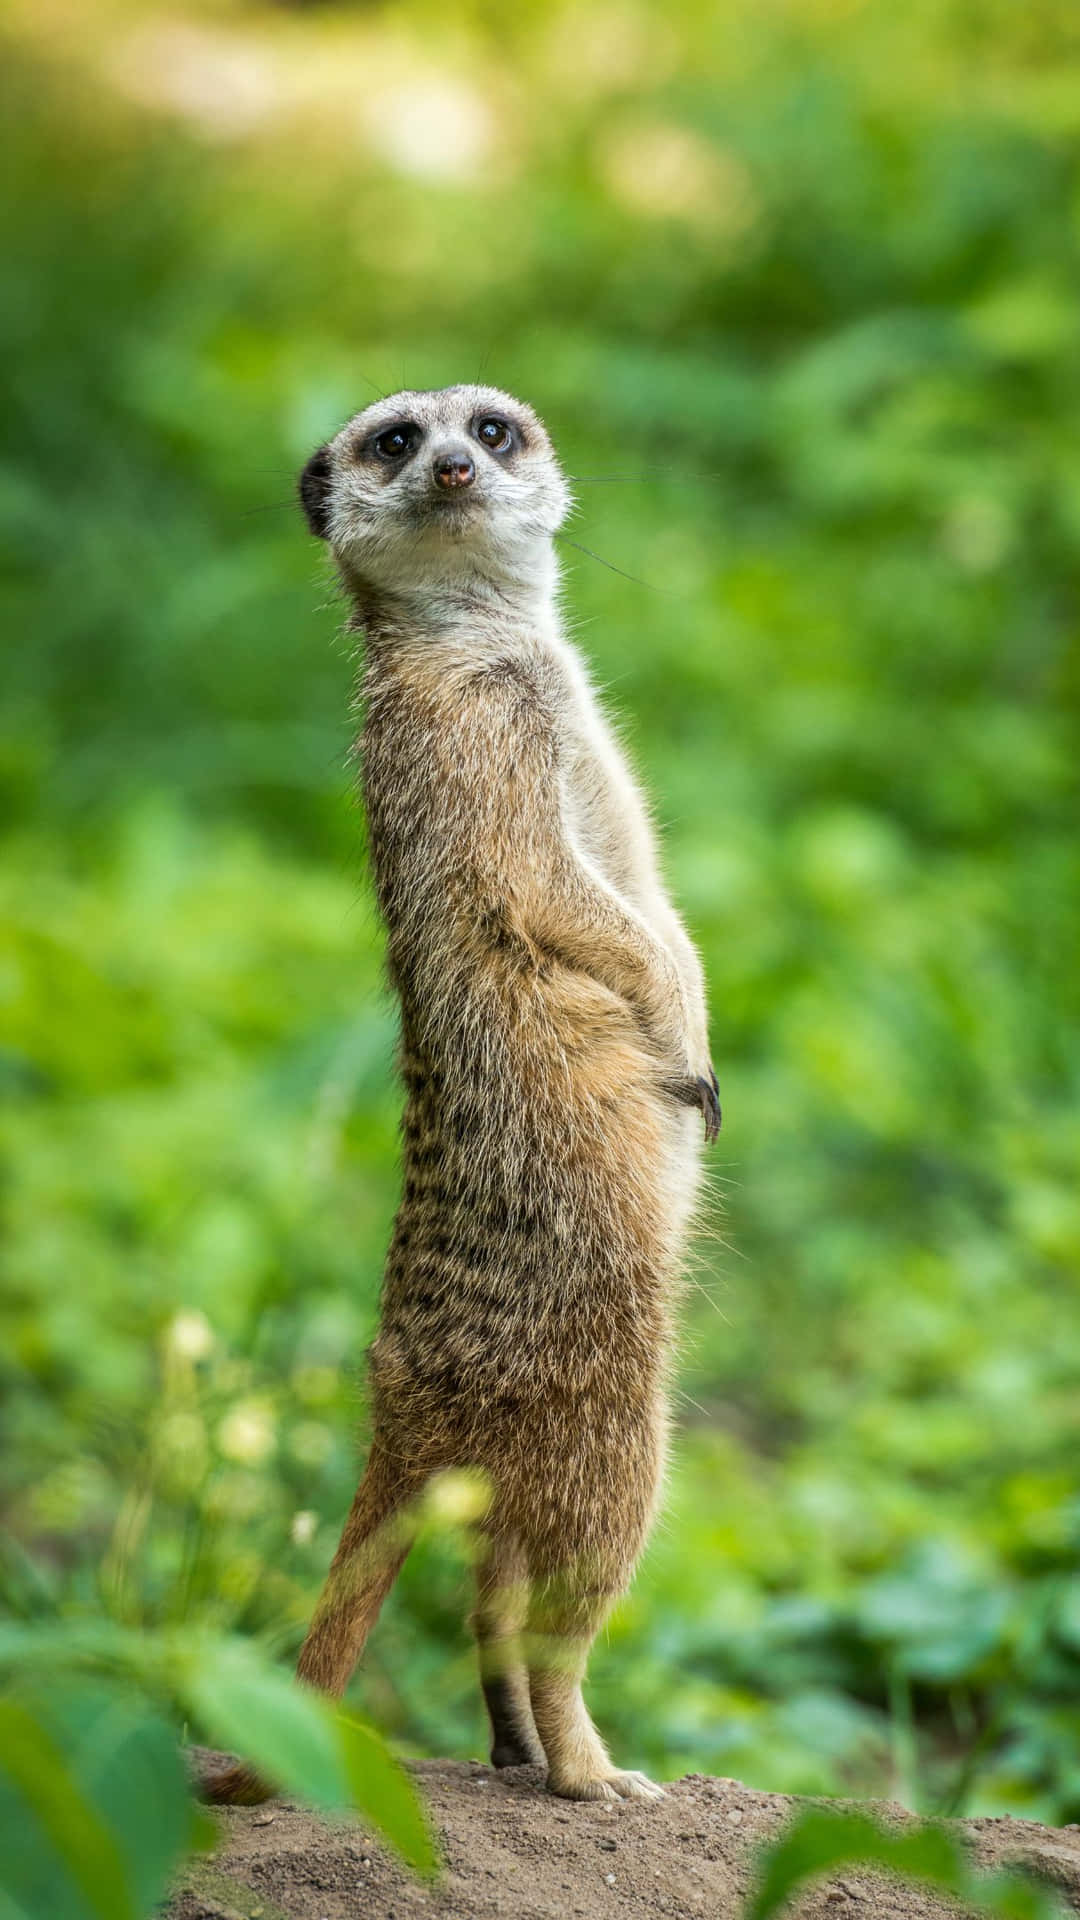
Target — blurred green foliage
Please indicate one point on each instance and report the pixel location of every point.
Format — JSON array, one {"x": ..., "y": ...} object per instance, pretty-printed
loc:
[
  {"x": 820, "y": 1840},
  {"x": 796, "y": 289},
  {"x": 96, "y": 1807}
]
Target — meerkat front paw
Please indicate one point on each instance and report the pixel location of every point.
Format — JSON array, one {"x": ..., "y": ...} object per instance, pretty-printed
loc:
[
  {"x": 698, "y": 1090},
  {"x": 708, "y": 1088},
  {"x": 607, "y": 1786}
]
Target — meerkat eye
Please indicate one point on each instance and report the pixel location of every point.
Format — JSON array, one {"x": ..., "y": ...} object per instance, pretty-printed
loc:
[
  {"x": 494, "y": 434},
  {"x": 395, "y": 442}
]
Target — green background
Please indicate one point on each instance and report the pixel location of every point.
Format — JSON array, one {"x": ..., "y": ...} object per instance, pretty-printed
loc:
[{"x": 795, "y": 287}]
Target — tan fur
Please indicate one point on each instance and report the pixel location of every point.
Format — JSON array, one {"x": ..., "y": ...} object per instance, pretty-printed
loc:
[{"x": 553, "y": 1044}]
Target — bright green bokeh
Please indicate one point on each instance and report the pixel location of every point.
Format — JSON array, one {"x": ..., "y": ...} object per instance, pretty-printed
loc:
[{"x": 804, "y": 280}]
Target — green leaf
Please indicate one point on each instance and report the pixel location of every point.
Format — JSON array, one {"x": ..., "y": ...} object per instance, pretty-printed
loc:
[
  {"x": 821, "y": 1840},
  {"x": 9, "y": 1910},
  {"x": 121, "y": 1775},
  {"x": 297, "y": 1740},
  {"x": 385, "y": 1795},
  {"x": 63, "y": 1861},
  {"x": 249, "y": 1707},
  {"x": 129, "y": 1763}
]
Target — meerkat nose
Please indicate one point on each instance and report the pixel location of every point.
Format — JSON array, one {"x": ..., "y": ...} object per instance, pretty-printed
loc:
[{"x": 453, "y": 470}]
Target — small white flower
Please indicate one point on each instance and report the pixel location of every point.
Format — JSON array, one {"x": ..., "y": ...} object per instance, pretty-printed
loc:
[
  {"x": 435, "y": 128},
  {"x": 302, "y": 1528},
  {"x": 247, "y": 1433},
  {"x": 189, "y": 1335},
  {"x": 457, "y": 1497},
  {"x": 670, "y": 172}
]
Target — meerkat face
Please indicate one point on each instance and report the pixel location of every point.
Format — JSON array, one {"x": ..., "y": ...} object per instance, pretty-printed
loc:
[{"x": 436, "y": 487}]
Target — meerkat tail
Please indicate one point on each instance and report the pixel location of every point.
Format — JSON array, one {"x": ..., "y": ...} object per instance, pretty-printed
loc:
[
  {"x": 236, "y": 1785},
  {"x": 374, "y": 1543}
]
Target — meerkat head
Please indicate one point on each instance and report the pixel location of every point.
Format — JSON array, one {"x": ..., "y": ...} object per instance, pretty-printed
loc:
[{"x": 441, "y": 489}]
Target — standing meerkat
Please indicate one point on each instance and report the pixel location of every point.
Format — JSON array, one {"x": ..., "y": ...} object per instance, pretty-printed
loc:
[{"x": 553, "y": 1049}]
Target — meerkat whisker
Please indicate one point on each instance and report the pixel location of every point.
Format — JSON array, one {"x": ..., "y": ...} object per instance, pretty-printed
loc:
[{"x": 610, "y": 565}]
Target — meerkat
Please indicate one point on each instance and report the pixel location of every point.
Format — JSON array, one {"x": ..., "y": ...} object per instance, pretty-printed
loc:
[{"x": 553, "y": 1049}]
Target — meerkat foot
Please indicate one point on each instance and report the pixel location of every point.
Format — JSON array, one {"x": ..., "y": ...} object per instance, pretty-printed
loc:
[
  {"x": 515, "y": 1750},
  {"x": 608, "y": 1786},
  {"x": 636, "y": 1786}
]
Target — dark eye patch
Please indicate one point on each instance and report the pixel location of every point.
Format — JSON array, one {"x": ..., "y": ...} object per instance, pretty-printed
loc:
[
  {"x": 315, "y": 485},
  {"x": 395, "y": 443},
  {"x": 496, "y": 433}
]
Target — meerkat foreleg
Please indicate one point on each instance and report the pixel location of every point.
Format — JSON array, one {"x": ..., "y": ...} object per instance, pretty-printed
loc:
[
  {"x": 706, "y": 1091},
  {"x": 561, "y": 1629},
  {"x": 590, "y": 928},
  {"x": 584, "y": 922},
  {"x": 502, "y": 1598}
]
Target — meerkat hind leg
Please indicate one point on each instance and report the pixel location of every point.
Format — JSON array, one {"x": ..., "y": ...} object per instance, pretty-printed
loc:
[
  {"x": 502, "y": 1598},
  {"x": 579, "y": 1766}
]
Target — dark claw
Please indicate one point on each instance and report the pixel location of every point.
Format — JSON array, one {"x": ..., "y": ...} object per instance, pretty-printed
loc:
[
  {"x": 708, "y": 1092},
  {"x": 698, "y": 1092}
]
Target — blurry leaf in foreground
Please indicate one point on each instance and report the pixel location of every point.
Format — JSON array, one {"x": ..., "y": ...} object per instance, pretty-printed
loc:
[
  {"x": 821, "y": 1840},
  {"x": 298, "y": 1741},
  {"x": 384, "y": 1794},
  {"x": 94, "y": 1806}
]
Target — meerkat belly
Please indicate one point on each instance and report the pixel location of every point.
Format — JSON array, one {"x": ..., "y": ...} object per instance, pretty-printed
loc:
[{"x": 527, "y": 1259}]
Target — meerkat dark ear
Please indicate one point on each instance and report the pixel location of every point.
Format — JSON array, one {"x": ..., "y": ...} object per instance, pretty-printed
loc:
[{"x": 314, "y": 486}]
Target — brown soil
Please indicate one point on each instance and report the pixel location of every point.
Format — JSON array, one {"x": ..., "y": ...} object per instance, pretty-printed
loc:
[{"x": 510, "y": 1848}]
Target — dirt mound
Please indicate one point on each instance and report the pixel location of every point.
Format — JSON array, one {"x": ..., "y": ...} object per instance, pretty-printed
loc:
[{"x": 510, "y": 1848}]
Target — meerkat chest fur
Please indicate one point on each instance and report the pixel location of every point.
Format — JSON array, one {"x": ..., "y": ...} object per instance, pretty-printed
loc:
[{"x": 603, "y": 807}]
